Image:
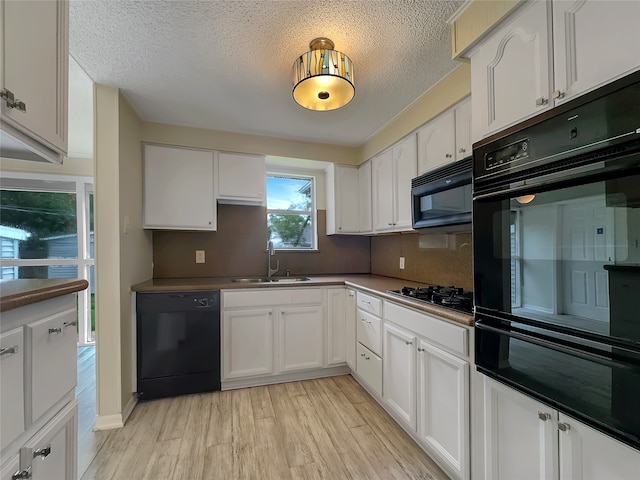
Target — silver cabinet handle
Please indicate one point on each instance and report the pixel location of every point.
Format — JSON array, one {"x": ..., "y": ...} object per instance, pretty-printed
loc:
[
  {"x": 362, "y": 354},
  {"x": 20, "y": 474},
  {"x": 420, "y": 349},
  {"x": 42, "y": 452},
  {"x": 544, "y": 416},
  {"x": 563, "y": 427},
  {"x": 9, "y": 350},
  {"x": 55, "y": 330},
  {"x": 11, "y": 101},
  {"x": 408, "y": 343},
  {"x": 448, "y": 155},
  {"x": 365, "y": 321},
  {"x": 69, "y": 324},
  {"x": 367, "y": 358},
  {"x": 557, "y": 94},
  {"x": 541, "y": 101},
  {"x": 462, "y": 150}
]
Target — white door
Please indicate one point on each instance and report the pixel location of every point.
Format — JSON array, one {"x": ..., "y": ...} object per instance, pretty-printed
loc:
[
  {"x": 383, "y": 191},
  {"x": 463, "y": 129},
  {"x": 336, "y": 326},
  {"x": 588, "y": 245},
  {"x": 521, "y": 439},
  {"x": 350, "y": 328},
  {"x": 347, "y": 200},
  {"x": 510, "y": 72},
  {"x": 300, "y": 338},
  {"x": 436, "y": 142},
  {"x": 586, "y": 454},
  {"x": 364, "y": 197},
  {"x": 443, "y": 406},
  {"x": 399, "y": 378},
  {"x": 405, "y": 159},
  {"x": 593, "y": 43},
  {"x": 248, "y": 341}
]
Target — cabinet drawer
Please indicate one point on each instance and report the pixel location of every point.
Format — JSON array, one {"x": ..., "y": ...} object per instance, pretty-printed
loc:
[
  {"x": 271, "y": 297},
  {"x": 440, "y": 332},
  {"x": 369, "y": 367},
  {"x": 369, "y": 304},
  {"x": 370, "y": 331},
  {"x": 52, "y": 369},
  {"x": 11, "y": 385}
]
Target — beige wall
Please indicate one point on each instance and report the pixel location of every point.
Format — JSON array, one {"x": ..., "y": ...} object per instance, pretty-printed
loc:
[
  {"x": 135, "y": 244},
  {"x": 121, "y": 258},
  {"x": 450, "y": 90},
  {"x": 71, "y": 166},
  {"x": 236, "y": 142}
]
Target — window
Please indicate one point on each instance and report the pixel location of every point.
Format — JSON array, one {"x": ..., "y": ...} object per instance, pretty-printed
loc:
[
  {"x": 291, "y": 212},
  {"x": 46, "y": 231}
]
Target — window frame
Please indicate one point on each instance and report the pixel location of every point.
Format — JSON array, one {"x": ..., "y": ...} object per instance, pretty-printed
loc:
[{"x": 313, "y": 212}]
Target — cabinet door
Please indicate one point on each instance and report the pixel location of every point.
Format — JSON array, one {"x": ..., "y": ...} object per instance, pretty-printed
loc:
[
  {"x": 383, "y": 191},
  {"x": 510, "y": 71},
  {"x": 11, "y": 385},
  {"x": 364, "y": 199},
  {"x": 9, "y": 468},
  {"x": 521, "y": 439},
  {"x": 350, "y": 335},
  {"x": 369, "y": 367},
  {"x": 53, "y": 449},
  {"x": 346, "y": 199},
  {"x": 336, "y": 326},
  {"x": 35, "y": 65},
  {"x": 436, "y": 143},
  {"x": 464, "y": 137},
  {"x": 178, "y": 188},
  {"x": 593, "y": 43},
  {"x": 443, "y": 407},
  {"x": 241, "y": 178},
  {"x": 399, "y": 373},
  {"x": 300, "y": 338},
  {"x": 52, "y": 368},
  {"x": 405, "y": 161},
  {"x": 248, "y": 343},
  {"x": 586, "y": 454}
]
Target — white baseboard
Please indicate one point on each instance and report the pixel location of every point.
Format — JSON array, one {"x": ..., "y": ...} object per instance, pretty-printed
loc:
[
  {"x": 285, "y": 377},
  {"x": 108, "y": 422},
  {"x": 128, "y": 408}
]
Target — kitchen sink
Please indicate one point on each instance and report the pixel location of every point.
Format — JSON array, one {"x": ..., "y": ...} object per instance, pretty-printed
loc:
[{"x": 269, "y": 280}]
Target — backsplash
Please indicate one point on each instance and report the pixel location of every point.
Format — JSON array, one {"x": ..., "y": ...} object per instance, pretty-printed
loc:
[
  {"x": 436, "y": 259},
  {"x": 238, "y": 248}
]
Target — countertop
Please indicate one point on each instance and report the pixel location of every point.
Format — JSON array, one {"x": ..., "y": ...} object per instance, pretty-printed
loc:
[
  {"x": 18, "y": 293},
  {"x": 374, "y": 284}
]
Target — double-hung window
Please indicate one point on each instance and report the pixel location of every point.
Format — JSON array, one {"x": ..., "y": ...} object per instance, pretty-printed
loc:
[{"x": 291, "y": 211}]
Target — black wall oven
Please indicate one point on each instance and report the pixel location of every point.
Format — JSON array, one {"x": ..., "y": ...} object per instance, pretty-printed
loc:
[{"x": 556, "y": 233}]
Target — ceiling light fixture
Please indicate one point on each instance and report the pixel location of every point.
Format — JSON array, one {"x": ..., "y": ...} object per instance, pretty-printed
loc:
[{"x": 323, "y": 77}]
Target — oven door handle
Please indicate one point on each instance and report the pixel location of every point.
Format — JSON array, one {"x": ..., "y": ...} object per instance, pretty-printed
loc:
[{"x": 563, "y": 346}]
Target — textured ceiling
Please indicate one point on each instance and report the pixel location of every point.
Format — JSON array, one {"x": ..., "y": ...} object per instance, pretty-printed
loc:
[{"x": 226, "y": 65}]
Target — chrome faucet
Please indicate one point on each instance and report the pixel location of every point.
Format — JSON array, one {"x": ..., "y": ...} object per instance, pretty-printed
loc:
[{"x": 271, "y": 252}]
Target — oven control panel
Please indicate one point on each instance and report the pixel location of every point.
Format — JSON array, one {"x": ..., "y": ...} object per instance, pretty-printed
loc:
[{"x": 515, "y": 151}]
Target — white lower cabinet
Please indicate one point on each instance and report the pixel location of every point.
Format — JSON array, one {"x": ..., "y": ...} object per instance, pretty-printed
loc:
[
  {"x": 337, "y": 326},
  {"x": 399, "y": 377},
  {"x": 524, "y": 438},
  {"x": 350, "y": 332},
  {"x": 300, "y": 342},
  {"x": 248, "y": 342},
  {"x": 11, "y": 385},
  {"x": 369, "y": 367}
]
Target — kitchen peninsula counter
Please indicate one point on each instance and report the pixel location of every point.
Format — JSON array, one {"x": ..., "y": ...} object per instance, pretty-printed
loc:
[
  {"x": 21, "y": 292},
  {"x": 374, "y": 284}
]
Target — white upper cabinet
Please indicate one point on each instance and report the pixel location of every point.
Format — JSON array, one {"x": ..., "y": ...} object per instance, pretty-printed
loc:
[
  {"x": 392, "y": 171},
  {"x": 178, "y": 188},
  {"x": 35, "y": 62},
  {"x": 593, "y": 43},
  {"x": 342, "y": 199},
  {"x": 364, "y": 198},
  {"x": 436, "y": 142},
  {"x": 510, "y": 71},
  {"x": 548, "y": 53},
  {"x": 464, "y": 137},
  {"x": 242, "y": 179}
]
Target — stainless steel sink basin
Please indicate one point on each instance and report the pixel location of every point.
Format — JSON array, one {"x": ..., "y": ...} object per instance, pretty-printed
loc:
[{"x": 268, "y": 280}]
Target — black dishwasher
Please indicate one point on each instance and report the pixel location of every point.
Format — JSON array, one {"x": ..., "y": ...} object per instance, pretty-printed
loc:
[{"x": 178, "y": 343}]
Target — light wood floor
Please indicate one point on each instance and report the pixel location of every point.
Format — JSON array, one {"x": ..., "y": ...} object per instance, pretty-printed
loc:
[{"x": 328, "y": 428}]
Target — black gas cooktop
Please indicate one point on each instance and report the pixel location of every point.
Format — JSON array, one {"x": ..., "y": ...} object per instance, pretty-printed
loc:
[{"x": 451, "y": 297}]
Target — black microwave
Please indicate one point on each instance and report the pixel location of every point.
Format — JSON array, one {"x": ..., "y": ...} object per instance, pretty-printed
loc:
[{"x": 441, "y": 199}]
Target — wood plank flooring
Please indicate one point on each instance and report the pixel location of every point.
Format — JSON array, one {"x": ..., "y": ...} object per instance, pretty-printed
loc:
[{"x": 328, "y": 428}]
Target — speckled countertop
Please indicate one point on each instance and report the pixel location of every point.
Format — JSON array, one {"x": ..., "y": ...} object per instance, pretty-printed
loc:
[
  {"x": 18, "y": 293},
  {"x": 374, "y": 284}
]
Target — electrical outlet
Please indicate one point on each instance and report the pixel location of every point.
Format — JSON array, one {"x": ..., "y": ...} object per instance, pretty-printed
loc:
[
  {"x": 401, "y": 263},
  {"x": 199, "y": 256}
]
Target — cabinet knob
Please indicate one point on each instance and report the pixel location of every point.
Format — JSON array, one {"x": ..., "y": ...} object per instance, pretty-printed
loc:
[
  {"x": 367, "y": 358},
  {"x": 11, "y": 101},
  {"x": 563, "y": 427},
  {"x": 557, "y": 94},
  {"x": 541, "y": 101},
  {"x": 42, "y": 452},
  {"x": 462, "y": 150},
  {"x": 9, "y": 350},
  {"x": 544, "y": 416},
  {"x": 69, "y": 324},
  {"x": 26, "y": 473},
  {"x": 448, "y": 155},
  {"x": 362, "y": 355},
  {"x": 55, "y": 330},
  {"x": 408, "y": 343},
  {"x": 420, "y": 349}
]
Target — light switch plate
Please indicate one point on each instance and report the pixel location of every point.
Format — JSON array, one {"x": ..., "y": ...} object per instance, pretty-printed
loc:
[
  {"x": 199, "y": 256},
  {"x": 401, "y": 263}
]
